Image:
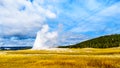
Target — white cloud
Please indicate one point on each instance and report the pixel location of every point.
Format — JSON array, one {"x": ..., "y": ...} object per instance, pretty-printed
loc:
[
  {"x": 101, "y": 21},
  {"x": 111, "y": 11},
  {"x": 27, "y": 19}
]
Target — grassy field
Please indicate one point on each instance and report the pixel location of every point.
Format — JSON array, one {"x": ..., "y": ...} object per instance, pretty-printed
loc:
[{"x": 61, "y": 58}]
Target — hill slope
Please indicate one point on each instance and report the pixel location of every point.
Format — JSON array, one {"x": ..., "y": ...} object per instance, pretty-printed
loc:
[{"x": 107, "y": 41}]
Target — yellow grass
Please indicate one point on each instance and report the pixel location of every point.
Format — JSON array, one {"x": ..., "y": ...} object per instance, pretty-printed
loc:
[{"x": 61, "y": 58}]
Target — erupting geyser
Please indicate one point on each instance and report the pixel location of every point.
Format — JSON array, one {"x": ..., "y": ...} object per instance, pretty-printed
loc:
[{"x": 45, "y": 39}]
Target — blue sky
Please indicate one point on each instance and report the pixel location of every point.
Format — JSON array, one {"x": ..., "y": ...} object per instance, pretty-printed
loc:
[{"x": 74, "y": 20}]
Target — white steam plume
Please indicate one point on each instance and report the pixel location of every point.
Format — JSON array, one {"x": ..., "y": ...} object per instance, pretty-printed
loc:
[{"x": 45, "y": 39}]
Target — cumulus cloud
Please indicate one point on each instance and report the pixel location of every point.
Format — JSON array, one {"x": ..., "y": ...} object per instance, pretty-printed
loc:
[{"x": 22, "y": 15}]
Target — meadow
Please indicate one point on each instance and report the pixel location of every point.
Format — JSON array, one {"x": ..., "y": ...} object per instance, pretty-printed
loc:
[{"x": 61, "y": 58}]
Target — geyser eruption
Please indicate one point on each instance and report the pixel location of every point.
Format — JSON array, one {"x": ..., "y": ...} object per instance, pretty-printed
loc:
[{"x": 45, "y": 39}]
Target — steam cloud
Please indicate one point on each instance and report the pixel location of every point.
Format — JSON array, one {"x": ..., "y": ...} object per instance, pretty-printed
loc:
[{"x": 45, "y": 39}]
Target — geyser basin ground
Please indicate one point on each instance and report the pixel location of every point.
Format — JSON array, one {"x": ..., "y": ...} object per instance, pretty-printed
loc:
[{"x": 61, "y": 58}]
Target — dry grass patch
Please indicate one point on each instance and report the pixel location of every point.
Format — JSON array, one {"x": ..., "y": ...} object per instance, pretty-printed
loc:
[{"x": 70, "y": 58}]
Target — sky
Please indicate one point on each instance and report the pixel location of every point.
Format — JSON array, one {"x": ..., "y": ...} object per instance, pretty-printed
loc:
[{"x": 73, "y": 20}]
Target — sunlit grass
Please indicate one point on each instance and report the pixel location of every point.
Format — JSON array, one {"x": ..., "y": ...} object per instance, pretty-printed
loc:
[{"x": 61, "y": 58}]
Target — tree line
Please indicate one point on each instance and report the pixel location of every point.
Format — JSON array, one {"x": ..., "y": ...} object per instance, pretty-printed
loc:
[{"x": 107, "y": 41}]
